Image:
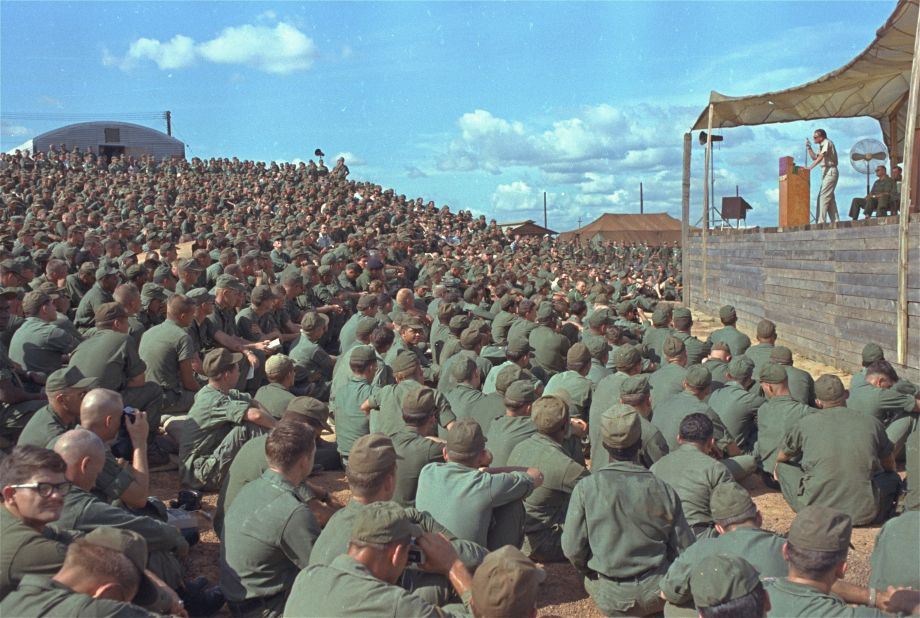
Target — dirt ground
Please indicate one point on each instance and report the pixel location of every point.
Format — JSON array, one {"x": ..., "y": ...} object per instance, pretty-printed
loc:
[{"x": 563, "y": 594}]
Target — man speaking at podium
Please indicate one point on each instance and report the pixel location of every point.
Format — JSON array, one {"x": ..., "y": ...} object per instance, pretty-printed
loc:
[{"x": 827, "y": 157}]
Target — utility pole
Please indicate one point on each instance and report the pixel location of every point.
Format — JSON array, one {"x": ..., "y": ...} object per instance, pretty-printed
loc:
[
  {"x": 545, "y": 222},
  {"x": 168, "y": 123},
  {"x": 641, "y": 200}
]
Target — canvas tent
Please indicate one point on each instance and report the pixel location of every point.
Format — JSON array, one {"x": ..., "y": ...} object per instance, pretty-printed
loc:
[{"x": 653, "y": 228}]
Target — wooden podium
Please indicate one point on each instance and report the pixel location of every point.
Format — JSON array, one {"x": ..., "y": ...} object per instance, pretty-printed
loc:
[{"x": 794, "y": 194}]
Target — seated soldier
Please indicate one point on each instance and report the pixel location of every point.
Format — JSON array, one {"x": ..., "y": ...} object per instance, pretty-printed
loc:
[
  {"x": 385, "y": 406},
  {"x": 38, "y": 345},
  {"x": 667, "y": 381},
  {"x": 728, "y": 586},
  {"x": 351, "y": 422},
  {"x": 170, "y": 354},
  {"x": 801, "y": 384},
  {"x": 413, "y": 446},
  {"x": 878, "y": 396},
  {"x": 464, "y": 493},
  {"x": 316, "y": 415},
  {"x": 775, "y": 418},
  {"x": 220, "y": 421},
  {"x": 269, "y": 530},
  {"x": 362, "y": 581},
  {"x": 342, "y": 372},
  {"x": 465, "y": 399},
  {"x": 313, "y": 365},
  {"x": 738, "y": 342},
  {"x": 880, "y": 198},
  {"x": 736, "y": 405},
  {"x": 574, "y": 381},
  {"x": 506, "y": 584},
  {"x": 103, "y": 574},
  {"x": 66, "y": 388},
  {"x": 276, "y": 395}
]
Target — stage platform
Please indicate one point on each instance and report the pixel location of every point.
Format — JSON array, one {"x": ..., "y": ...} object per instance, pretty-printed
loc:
[{"x": 830, "y": 289}]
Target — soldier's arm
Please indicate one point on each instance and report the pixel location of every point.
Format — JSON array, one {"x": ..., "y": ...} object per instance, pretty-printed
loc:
[
  {"x": 575, "y": 543},
  {"x": 187, "y": 374},
  {"x": 260, "y": 416}
]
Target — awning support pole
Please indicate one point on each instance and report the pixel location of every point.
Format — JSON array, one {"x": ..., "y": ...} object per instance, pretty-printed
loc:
[
  {"x": 706, "y": 198},
  {"x": 685, "y": 220}
]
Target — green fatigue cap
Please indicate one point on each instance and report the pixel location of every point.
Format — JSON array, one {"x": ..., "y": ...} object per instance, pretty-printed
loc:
[
  {"x": 372, "y": 453},
  {"x": 549, "y": 413},
  {"x": 620, "y": 426},
  {"x": 261, "y": 294},
  {"x": 624, "y": 307},
  {"x": 324, "y": 270},
  {"x": 906, "y": 388},
  {"x": 418, "y": 404},
  {"x": 405, "y": 361},
  {"x": 721, "y": 346},
  {"x": 69, "y": 377},
  {"x": 229, "y": 282},
  {"x": 673, "y": 347},
  {"x": 328, "y": 259},
  {"x": 545, "y": 311},
  {"x": 414, "y": 323},
  {"x": 599, "y": 317},
  {"x": 661, "y": 316},
  {"x": 87, "y": 267},
  {"x": 459, "y": 323},
  {"x": 310, "y": 408},
  {"x": 363, "y": 354},
  {"x": 313, "y": 320},
  {"x": 626, "y": 356},
  {"x": 596, "y": 347},
  {"x": 290, "y": 277},
  {"x": 508, "y": 375},
  {"x": 829, "y": 388},
  {"x": 49, "y": 288},
  {"x": 200, "y": 296},
  {"x": 9, "y": 293},
  {"x": 278, "y": 365},
  {"x": 382, "y": 523},
  {"x": 446, "y": 312},
  {"x": 218, "y": 361},
  {"x": 781, "y": 354},
  {"x": 367, "y": 301},
  {"x": 727, "y": 313},
  {"x": 635, "y": 385},
  {"x": 766, "y": 329},
  {"x": 578, "y": 356},
  {"x": 730, "y": 500},
  {"x": 134, "y": 270},
  {"x": 698, "y": 377},
  {"x": 518, "y": 345},
  {"x": 134, "y": 547},
  {"x": 365, "y": 327},
  {"x": 465, "y": 437},
  {"x": 470, "y": 338},
  {"x": 771, "y": 373},
  {"x": 105, "y": 270},
  {"x": 506, "y": 302},
  {"x": 108, "y": 312},
  {"x": 462, "y": 369},
  {"x": 33, "y": 301},
  {"x": 11, "y": 266},
  {"x": 521, "y": 391},
  {"x": 722, "y": 578},
  {"x": 872, "y": 352},
  {"x": 819, "y": 528},
  {"x": 682, "y": 312},
  {"x": 153, "y": 291},
  {"x": 190, "y": 264},
  {"x": 741, "y": 368},
  {"x": 506, "y": 584}
]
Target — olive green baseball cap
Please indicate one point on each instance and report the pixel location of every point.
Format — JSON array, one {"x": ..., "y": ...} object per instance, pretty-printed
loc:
[
  {"x": 549, "y": 413},
  {"x": 819, "y": 528},
  {"x": 698, "y": 377},
  {"x": 781, "y": 354},
  {"x": 730, "y": 500},
  {"x": 829, "y": 388},
  {"x": 278, "y": 364},
  {"x": 465, "y": 437},
  {"x": 506, "y": 584},
  {"x": 521, "y": 391},
  {"x": 418, "y": 403},
  {"x": 727, "y": 312},
  {"x": 741, "y": 367},
  {"x": 406, "y": 360},
  {"x": 371, "y": 453},
  {"x": 721, "y": 578},
  {"x": 771, "y": 373},
  {"x": 766, "y": 329},
  {"x": 635, "y": 385},
  {"x": 382, "y": 523},
  {"x": 362, "y": 354},
  {"x": 673, "y": 347},
  {"x": 620, "y": 426},
  {"x": 218, "y": 361},
  {"x": 310, "y": 408},
  {"x": 626, "y": 356},
  {"x": 872, "y": 352}
]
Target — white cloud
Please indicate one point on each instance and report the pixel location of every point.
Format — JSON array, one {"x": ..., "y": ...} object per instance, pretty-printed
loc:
[
  {"x": 49, "y": 101},
  {"x": 414, "y": 172},
  {"x": 278, "y": 49},
  {"x": 8, "y": 129},
  {"x": 347, "y": 52}
]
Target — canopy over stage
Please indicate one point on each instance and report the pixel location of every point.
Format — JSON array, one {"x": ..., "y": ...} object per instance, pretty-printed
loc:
[{"x": 882, "y": 83}]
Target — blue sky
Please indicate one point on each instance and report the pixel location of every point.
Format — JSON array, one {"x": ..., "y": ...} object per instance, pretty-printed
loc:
[{"x": 481, "y": 106}]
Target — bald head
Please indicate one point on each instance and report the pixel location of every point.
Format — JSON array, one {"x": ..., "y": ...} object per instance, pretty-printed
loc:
[
  {"x": 101, "y": 408},
  {"x": 404, "y": 298},
  {"x": 128, "y": 296},
  {"x": 79, "y": 444}
]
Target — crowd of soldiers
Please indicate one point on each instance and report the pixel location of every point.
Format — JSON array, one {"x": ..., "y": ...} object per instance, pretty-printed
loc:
[{"x": 494, "y": 401}]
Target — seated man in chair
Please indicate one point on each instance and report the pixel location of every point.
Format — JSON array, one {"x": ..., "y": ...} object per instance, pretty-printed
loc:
[{"x": 881, "y": 199}]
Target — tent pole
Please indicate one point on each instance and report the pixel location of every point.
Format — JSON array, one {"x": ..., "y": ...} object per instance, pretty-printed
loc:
[
  {"x": 906, "y": 191},
  {"x": 685, "y": 221},
  {"x": 706, "y": 198}
]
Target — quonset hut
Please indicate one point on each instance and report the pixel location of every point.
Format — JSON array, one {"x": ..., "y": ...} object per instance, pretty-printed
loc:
[{"x": 109, "y": 138}]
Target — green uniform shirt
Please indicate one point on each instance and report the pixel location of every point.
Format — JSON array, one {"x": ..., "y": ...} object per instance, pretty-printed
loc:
[
  {"x": 836, "y": 477},
  {"x": 85, "y": 316},
  {"x": 654, "y": 340},
  {"x": 668, "y": 416},
  {"x": 224, "y": 320},
  {"x": 386, "y": 404},
  {"x": 738, "y": 410},
  {"x": 801, "y": 385},
  {"x": 895, "y": 561},
  {"x": 884, "y": 404},
  {"x": 43, "y": 428},
  {"x": 202, "y": 333},
  {"x": 446, "y": 381},
  {"x": 275, "y": 398},
  {"x": 693, "y": 475},
  {"x": 488, "y": 385},
  {"x": 38, "y": 345},
  {"x": 521, "y": 328},
  {"x": 622, "y": 522},
  {"x": 598, "y": 372},
  {"x": 549, "y": 348},
  {"x": 606, "y": 395},
  {"x": 466, "y": 401},
  {"x": 210, "y": 419},
  {"x": 696, "y": 349},
  {"x": 666, "y": 382},
  {"x": 546, "y": 506},
  {"x": 311, "y": 359},
  {"x": 579, "y": 388},
  {"x": 163, "y": 347},
  {"x": 39, "y": 596},
  {"x": 501, "y": 325},
  {"x": 789, "y": 599},
  {"x": 267, "y": 540},
  {"x": 27, "y": 552},
  {"x": 759, "y": 353},
  {"x": 462, "y": 498},
  {"x": 347, "y": 337},
  {"x": 109, "y": 356},
  {"x": 350, "y": 422},
  {"x": 774, "y": 420},
  {"x": 738, "y": 342},
  {"x": 763, "y": 549},
  {"x": 505, "y": 433},
  {"x": 253, "y": 327},
  {"x": 415, "y": 452}
]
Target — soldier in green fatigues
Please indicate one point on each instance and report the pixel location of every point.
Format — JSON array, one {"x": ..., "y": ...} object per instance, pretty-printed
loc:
[
  {"x": 471, "y": 342},
  {"x": 504, "y": 319},
  {"x": 220, "y": 421},
  {"x": 736, "y": 405},
  {"x": 101, "y": 292},
  {"x": 879, "y": 397},
  {"x": 717, "y": 363},
  {"x": 871, "y": 353},
  {"x": 549, "y": 346},
  {"x": 385, "y": 406},
  {"x": 517, "y": 353},
  {"x": 801, "y": 384},
  {"x": 766, "y": 341},
  {"x": 312, "y": 364},
  {"x": 342, "y": 373},
  {"x": 276, "y": 395},
  {"x": 102, "y": 575},
  {"x": 692, "y": 398},
  {"x": 371, "y": 478},
  {"x": 450, "y": 345},
  {"x": 515, "y": 426},
  {"x": 654, "y": 337},
  {"x": 668, "y": 379},
  {"x": 38, "y": 345},
  {"x": 628, "y": 363},
  {"x": 66, "y": 388},
  {"x": 599, "y": 350},
  {"x": 410, "y": 333},
  {"x": 574, "y": 381},
  {"x": 361, "y": 581},
  {"x": 693, "y": 472},
  {"x": 738, "y": 342},
  {"x": 269, "y": 530},
  {"x": 465, "y": 399},
  {"x": 726, "y": 585},
  {"x": 634, "y": 396},
  {"x": 776, "y": 417},
  {"x": 546, "y": 506},
  {"x": 367, "y": 308},
  {"x": 351, "y": 422},
  {"x": 812, "y": 469},
  {"x": 170, "y": 353},
  {"x": 696, "y": 349},
  {"x": 524, "y": 325},
  {"x": 413, "y": 445},
  {"x": 624, "y": 526}
]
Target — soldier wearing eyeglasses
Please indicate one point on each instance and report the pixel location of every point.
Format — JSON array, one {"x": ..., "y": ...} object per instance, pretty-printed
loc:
[{"x": 33, "y": 489}]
